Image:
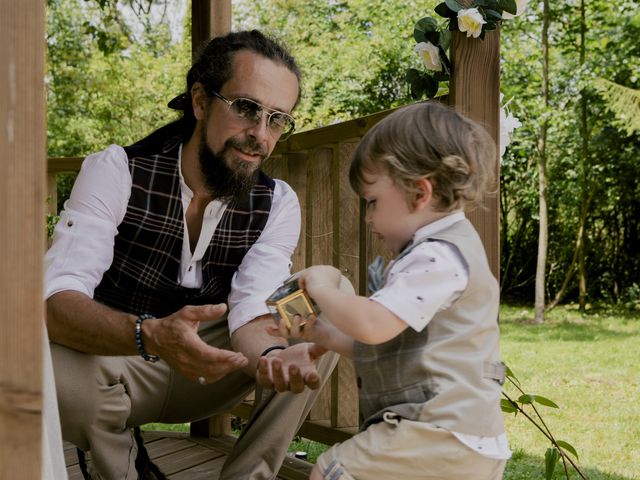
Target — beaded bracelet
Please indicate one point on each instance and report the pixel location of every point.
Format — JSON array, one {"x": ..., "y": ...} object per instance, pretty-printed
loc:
[{"x": 138, "y": 337}]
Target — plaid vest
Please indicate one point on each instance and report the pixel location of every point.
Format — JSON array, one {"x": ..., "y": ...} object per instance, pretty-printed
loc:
[
  {"x": 449, "y": 373},
  {"x": 148, "y": 247}
]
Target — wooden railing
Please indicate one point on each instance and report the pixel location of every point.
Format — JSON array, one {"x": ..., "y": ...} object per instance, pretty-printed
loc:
[{"x": 315, "y": 163}]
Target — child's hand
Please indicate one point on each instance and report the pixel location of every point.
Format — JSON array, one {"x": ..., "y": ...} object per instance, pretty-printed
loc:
[
  {"x": 309, "y": 332},
  {"x": 319, "y": 276}
]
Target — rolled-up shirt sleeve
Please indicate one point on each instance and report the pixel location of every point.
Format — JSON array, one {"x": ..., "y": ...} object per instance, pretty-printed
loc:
[
  {"x": 83, "y": 239},
  {"x": 268, "y": 262}
]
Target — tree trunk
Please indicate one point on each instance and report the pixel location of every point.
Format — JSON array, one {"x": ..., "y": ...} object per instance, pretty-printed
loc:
[
  {"x": 584, "y": 161},
  {"x": 542, "y": 174}
]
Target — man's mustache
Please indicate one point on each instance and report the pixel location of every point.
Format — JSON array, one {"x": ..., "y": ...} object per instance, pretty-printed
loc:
[{"x": 248, "y": 146}]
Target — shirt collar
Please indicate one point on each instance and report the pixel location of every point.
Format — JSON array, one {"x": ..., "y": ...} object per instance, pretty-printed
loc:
[{"x": 437, "y": 226}]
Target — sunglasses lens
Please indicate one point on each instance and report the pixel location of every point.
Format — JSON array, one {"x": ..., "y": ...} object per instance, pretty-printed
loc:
[
  {"x": 281, "y": 122},
  {"x": 245, "y": 108}
]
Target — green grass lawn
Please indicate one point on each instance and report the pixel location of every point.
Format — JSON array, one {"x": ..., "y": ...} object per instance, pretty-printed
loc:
[{"x": 588, "y": 364}]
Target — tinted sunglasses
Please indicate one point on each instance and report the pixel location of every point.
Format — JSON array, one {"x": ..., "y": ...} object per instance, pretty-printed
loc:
[{"x": 280, "y": 124}]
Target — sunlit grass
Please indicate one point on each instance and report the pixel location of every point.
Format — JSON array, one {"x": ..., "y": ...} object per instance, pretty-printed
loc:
[{"x": 588, "y": 365}]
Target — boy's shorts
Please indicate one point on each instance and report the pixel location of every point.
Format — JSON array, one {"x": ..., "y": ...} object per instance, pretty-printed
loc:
[{"x": 407, "y": 450}]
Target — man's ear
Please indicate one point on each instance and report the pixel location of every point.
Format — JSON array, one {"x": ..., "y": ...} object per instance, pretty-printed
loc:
[
  {"x": 198, "y": 100},
  {"x": 424, "y": 193}
]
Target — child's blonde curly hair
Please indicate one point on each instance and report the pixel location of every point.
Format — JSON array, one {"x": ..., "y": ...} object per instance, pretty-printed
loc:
[{"x": 429, "y": 140}]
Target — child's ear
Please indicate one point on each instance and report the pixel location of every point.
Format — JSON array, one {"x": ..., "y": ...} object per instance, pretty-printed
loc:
[
  {"x": 424, "y": 193},
  {"x": 198, "y": 100}
]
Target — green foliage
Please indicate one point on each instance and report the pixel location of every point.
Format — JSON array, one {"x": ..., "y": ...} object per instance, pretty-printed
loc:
[
  {"x": 100, "y": 92},
  {"x": 558, "y": 447},
  {"x": 623, "y": 102},
  {"x": 586, "y": 364},
  {"x": 609, "y": 175},
  {"x": 353, "y": 54}
]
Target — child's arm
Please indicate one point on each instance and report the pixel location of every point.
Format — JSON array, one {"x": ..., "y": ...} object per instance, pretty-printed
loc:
[
  {"x": 317, "y": 331},
  {"x": 358, "y": 317}
]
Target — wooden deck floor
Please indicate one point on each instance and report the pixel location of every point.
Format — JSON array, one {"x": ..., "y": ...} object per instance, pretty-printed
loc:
[{"x": 181, "y": 457}]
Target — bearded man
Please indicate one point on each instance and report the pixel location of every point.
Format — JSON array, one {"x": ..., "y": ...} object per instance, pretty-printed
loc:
[{"x": 154, "y": 242}]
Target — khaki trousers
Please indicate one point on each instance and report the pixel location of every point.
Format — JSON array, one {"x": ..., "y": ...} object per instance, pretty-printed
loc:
[
  {"x": 404, "y": 449},
  {"x": 102, "y": 398}
]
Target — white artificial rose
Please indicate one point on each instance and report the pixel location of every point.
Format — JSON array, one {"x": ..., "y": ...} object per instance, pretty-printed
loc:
[
  {"x": 508, "y": 123},
  {"x": 521, "y": 6},
  {"x": 430, "y": 56},
  {"x": 470, "y": 20}
]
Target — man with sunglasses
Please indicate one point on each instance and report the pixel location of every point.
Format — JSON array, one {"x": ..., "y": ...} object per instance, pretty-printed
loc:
[{"x": 155, "y": 239}]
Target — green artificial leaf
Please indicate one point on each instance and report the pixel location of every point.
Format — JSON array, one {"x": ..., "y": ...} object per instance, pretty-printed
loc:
[
  {"x": 412, "y": 75},
  {"x": 453, "y": 5},
  {"x": 526, "y": 398},
  {"x": 490, "y": 26},
  {"x": 551, "y": 457},
  {"x": 426, "y": 30},
  {"x": 444, "y": 11},
  {"x": 544, "y": 401},
  {"x": 508, "y": 6},
  {"x": 446, "y": 64},
  {"x": 512, "y": 375},
  {"x": 507, "y": 407},
  {"x": 492, "y": 14},
  {"x": 568, "y": 447},
  {"x": 423, "y": 27},
  {"x": 445, "y": 39}
]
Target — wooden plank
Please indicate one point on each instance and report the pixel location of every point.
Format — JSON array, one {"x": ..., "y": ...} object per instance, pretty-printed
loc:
[
  {"x": 319, "y": 241},
  {"x": 208, "y": 470},
  {"x": 475, "y": 92},
  {"x": 297, "y": 179},
  {"x": 22, "y": 196},
  {"x": 209, "y": 18},
  {"x": 165, "y": 446},
  {"x": 344, "y": 401},
  {"x": 186, "y": 458}
]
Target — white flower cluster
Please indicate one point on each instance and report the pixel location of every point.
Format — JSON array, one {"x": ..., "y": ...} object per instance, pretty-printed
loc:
[{"x": 508, "y": 123}]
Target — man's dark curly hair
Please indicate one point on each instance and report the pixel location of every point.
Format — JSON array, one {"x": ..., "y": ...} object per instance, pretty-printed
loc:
[{"x": 214, "y": 65}]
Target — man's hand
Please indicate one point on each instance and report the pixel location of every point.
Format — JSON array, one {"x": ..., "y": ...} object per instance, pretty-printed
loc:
[
  {"x": 291, "y": 369},
  {"x": 175, "y": 339}
]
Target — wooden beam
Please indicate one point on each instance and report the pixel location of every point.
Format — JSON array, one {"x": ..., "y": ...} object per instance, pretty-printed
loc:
[
  {"x": 209, "y": 18},
  {"x": 474, "y": 91},
  {"x": 22, "y": 236}
]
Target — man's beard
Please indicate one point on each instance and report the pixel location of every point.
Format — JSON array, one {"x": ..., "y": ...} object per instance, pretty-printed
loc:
[{"x": 225, "y": 182}]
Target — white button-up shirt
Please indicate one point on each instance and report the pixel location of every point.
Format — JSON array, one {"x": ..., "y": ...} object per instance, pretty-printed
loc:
[{"x": 82, "y": 248}]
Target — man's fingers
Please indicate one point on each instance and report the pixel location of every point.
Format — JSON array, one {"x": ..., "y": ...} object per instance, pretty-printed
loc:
[
  {"x": 296, "y": 382},
  {"x": 279, "y": 377},
  {"x": 312, "y": 380}
]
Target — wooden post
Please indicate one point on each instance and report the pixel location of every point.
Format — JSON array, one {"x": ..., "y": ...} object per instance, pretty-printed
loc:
[
  {"x": 209, "y": 18},
  {"x": 475, "y": 92},
  {"x": 22, "y": 235}
]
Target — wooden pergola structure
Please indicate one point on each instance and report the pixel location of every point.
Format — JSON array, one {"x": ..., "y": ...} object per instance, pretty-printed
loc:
[{"x": 332, "y": 228}]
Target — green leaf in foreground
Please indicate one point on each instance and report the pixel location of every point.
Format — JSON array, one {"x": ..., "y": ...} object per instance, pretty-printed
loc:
[
  {"x": 551, "y": 457},
  {"x": 568, "y": 447},
  {"x": 507, "y": 406},
  {"x": 545, "y": 401}
]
